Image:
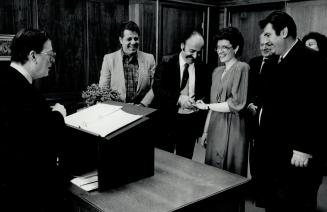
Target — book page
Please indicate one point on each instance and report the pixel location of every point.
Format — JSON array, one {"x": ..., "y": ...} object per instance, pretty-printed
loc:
[
  {"x": 90, "y": 114},
  {"x": 101, "y": 119},
  {"x": 107, "y": 124}
]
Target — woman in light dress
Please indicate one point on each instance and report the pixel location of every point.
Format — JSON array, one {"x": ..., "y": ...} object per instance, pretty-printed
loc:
[{"x": 224, "y": 131}]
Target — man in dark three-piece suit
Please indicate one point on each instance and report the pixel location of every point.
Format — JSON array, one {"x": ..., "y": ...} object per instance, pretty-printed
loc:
[
  {"x": 258, "y": 65},
  {"x": 31, "y": 130},
  {"x": 288, "y": 149},
  {"x": 179, "y": 81}
]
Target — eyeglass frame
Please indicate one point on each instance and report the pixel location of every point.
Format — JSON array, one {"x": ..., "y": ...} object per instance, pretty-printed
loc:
[
  {"x": 51, "y": 54},
  {"x": 223, "y": 48}
]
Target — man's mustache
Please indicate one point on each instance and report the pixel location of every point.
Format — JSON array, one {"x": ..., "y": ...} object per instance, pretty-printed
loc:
[{"x": 190, "y": 56}]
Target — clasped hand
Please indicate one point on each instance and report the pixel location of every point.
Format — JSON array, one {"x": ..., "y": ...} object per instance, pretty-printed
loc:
[
  {"x": 253, "y": 109},
  {"x": 186, "y": 102},
  {"x": 201, "y": 105}
]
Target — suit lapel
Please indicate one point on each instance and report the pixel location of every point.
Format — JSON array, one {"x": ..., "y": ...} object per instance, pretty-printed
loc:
[
  {"x": 141, "y": 70},
  {"x": 176, "y": 72},
  {"x": 119, "y": 62},
  {"x": 292, "y": 54}
]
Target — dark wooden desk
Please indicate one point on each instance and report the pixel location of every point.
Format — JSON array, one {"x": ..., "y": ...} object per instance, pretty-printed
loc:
[{"x": 179, "y": 184}]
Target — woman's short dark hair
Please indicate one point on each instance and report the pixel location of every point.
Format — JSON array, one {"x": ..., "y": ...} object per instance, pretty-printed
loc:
[
  {"x": 320, "y": 39},
  {"x": 233, "y": 35},
  {"x": 129, "y": 25},
  {"x": 279, "y": 20},
  {"x": 25, "y": 41}
]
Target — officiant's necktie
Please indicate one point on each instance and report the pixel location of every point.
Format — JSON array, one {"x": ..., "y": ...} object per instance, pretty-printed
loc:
[
  {"x": 264, "y": 60},
  {"x": 185, "y": 76}
]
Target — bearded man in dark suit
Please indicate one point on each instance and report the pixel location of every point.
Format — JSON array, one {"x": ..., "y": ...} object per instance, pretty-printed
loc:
[
  {"x": 288, "y": 150},
  {"x": 179, "y": 81},
  {"x": 31, "y": 130}
]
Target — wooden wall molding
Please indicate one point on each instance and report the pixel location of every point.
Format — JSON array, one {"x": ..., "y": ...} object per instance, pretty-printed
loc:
[{"x": 193, "y": 2}]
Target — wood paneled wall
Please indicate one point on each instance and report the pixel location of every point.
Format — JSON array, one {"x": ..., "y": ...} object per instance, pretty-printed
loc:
[
  {"x": 65, "y": 23},
  {"x": 145, "y": 15},
  {"x": 175, "y": 20},
  {"x": 309, "y": 16},
  {"x": 82, "y": 31},
  {"x": 16, "y": 14},
  {"x": 104, "y": 19}
]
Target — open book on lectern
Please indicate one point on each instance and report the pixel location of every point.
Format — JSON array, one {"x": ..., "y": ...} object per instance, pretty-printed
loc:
[{"x": 101, "y": 119}]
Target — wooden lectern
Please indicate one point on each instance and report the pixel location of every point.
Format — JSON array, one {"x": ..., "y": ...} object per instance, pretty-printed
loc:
[{"x": 123, "y": 156}]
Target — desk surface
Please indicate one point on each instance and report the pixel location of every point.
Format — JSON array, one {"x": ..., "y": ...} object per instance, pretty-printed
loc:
[{"x": 177, "y": 182}]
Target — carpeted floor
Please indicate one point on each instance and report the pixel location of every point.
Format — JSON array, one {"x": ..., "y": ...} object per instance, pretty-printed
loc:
[{"x": 199, "y": 153}]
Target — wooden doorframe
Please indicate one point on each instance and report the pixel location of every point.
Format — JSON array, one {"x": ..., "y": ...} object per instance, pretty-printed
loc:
[{"x": 205, "y": 28}]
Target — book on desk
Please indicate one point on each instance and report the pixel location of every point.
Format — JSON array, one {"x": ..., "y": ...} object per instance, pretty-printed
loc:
[
  {"x": 120, "y": 153},
  {"x": 101, "y": 119}
]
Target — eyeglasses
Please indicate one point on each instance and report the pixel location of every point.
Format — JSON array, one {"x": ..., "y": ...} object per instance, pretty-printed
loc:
[
  {"x": 223, "y": 48},
  {"x": 51, "y": 54}
]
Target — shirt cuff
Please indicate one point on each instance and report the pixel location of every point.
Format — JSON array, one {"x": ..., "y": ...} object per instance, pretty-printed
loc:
[
  {"x": 302, "y": 154},
  {"x": 179, "y": 100}
]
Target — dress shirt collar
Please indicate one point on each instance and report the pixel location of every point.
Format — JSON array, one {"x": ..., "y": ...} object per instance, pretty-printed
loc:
[
  {"x": 283, "y": 56},
  {"x": 22, "y": 70},
  {"x": 182, "y": 64},
  {"x": 129, "y": 56}
]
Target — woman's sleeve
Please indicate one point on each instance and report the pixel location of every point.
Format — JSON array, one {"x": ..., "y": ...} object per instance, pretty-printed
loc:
[{"x": 237, "y": 101}]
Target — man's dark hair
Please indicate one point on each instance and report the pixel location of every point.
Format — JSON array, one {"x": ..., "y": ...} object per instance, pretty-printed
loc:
[
  {"x": 279, "y": 20},
  {"x": 25, "y": 41},
  {"x": 233, "y": 35},
  {"x": 129, "y": 25}
]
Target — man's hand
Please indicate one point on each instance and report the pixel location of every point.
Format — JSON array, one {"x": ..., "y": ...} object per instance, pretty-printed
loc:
[
  {"x": 252, "y": 108},
  {"x": 201, "y": 105},
  {"x": 300, "y": 159},
  {"x": 186, "y": 102},
  {"x": 60, "y": 108}
]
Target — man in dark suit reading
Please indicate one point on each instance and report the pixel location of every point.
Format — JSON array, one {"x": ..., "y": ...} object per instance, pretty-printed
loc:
[{"x": 31, "y": 130}]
